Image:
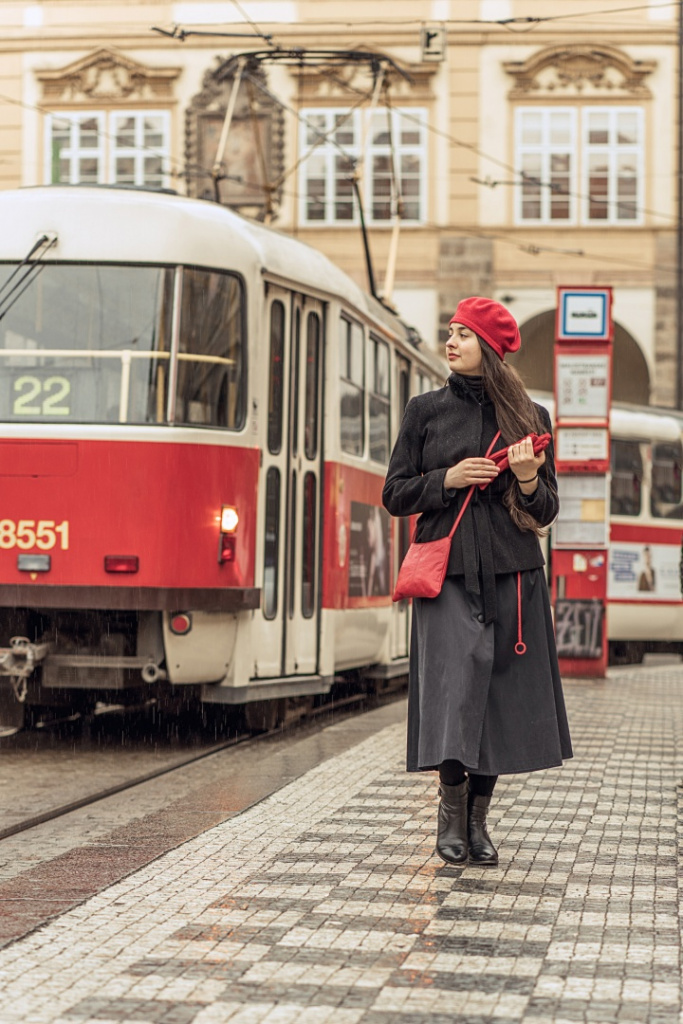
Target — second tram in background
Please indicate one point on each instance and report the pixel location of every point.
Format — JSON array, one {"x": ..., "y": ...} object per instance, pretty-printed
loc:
[
  {"x": 196, "y": 416},
  {"x": 644, "y": 583}
]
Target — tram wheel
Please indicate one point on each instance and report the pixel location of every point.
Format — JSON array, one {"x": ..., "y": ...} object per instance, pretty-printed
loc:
[{"x": 264, "y": 715}]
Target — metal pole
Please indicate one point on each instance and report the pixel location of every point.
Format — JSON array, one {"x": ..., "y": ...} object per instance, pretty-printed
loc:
[
  {"x": 223, "y": 140},
  {"x": 679, "y": 223}
]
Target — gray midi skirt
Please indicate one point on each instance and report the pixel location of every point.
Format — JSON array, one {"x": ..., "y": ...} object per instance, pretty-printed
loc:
[{"x": 471, "y": 697}]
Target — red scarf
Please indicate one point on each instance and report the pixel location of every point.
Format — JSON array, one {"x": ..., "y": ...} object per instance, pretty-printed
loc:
[{"x": 500, "y": 457}]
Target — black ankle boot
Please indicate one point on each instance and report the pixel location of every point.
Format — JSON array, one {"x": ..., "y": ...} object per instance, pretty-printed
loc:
[
  {"x": 451, "y": 829},
  {"x": 481, "y": 849}
]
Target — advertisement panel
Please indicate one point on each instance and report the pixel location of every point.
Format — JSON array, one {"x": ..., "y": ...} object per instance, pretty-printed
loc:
[
  {"x": 644, "y": 572},
  {"x": 368, "y": 551}
]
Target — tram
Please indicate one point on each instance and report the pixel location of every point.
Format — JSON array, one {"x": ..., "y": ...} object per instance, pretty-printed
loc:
[
  {"x": 645, "y": 572},
  {"x": 645, "y": 609},
  {"x": 196, "y": 415}
]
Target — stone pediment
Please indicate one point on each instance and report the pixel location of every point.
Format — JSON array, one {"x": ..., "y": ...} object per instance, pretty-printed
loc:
[
  {"x": 107, "y": 77},
  {"x": 580, "y": 71},
  {"x": 339, "y": 83}
]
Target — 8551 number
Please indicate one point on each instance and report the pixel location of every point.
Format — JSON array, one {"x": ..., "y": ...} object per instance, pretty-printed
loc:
[{"x": 27, "y": 534}]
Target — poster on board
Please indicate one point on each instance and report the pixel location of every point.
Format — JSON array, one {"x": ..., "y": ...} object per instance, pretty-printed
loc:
[
  {"x": 644, "y": 572},
  {"x": 582, "y": 386}
]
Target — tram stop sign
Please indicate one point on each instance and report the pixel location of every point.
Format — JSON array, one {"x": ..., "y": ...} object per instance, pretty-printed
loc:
[
  {"x": 580, "y": 536},
  {"x": 584, "y": 314}
]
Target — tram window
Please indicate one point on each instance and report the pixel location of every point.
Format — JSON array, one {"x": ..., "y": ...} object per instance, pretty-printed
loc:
[
  {"x": 294, "y": 393},
  {"x": 308, "y": 547},
  {"x": 627, "y": 478},
  {"x": 271, "y": 547},
  {"x": 86, "y": 344},
  {"x": 292, "y": 546},
  {"x": 665, "y": 493},
  {"x": 210, "y": 390},
  {"x": 352, "y": 387},
  {"x": 403, "y": 384},
  {"x": 276, "y": 380},
  {"x": 379, "y": 402},
  {"x": 312, "y": 385}
]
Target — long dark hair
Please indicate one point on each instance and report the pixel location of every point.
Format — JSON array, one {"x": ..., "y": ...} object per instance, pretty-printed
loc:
[{"x": 516, "y": 416}]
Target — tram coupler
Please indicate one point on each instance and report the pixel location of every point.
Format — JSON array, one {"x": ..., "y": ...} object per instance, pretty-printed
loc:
[{"x": 19, "y": 660}]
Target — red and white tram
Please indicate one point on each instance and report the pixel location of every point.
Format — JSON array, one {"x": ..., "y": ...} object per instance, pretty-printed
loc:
[
  {"x": 196, "y": 415},
  {"x": 644, "y": 603},
  {"x": 645, "y": 611}
]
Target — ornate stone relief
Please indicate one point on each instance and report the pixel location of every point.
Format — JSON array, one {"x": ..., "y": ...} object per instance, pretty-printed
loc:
[
  {"x": 345, "y": 84},
  {"x": 107, "y": 77},
  {"x": 580, "y": 71},
  {"x": 254, "y": 154}
]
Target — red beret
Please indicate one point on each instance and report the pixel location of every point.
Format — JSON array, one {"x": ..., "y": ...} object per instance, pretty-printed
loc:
[{"x": 490, "y": 321}]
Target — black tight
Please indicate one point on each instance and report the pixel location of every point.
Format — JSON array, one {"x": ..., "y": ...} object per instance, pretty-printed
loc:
[{"x": 452, "y": 773}]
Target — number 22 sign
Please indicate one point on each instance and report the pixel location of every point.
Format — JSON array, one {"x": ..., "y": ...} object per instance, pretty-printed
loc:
[{"x": 40, "y": 396}]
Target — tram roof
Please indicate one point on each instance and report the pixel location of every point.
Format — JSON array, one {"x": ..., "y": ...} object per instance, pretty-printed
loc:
[
  {"x": 635, "y": 422},
  {"x": 121, "y": 225}
]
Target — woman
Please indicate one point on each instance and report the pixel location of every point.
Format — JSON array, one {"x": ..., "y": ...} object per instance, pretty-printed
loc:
[{"x": 485, "y": 696}]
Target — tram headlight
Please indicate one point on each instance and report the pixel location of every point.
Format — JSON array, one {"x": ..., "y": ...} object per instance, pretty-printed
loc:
[
  {"x": 229, "y": 519},
  {"x": 227, "y": 541}
]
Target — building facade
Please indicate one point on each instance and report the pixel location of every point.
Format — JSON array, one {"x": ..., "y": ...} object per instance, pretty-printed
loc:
[{"x": 495, "y": 147}]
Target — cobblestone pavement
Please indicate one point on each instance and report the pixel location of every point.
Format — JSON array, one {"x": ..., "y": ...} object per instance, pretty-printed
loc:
[{"x": 325, "y": 903}]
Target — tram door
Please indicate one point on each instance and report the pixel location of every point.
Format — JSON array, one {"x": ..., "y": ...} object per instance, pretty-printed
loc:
[
  {"x": 401, "y": 618},
  {"x": 302, "y": 540},
  {"x": 285, "y": 633}
]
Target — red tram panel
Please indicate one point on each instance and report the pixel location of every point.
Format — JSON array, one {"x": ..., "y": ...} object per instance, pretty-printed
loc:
[{"x": 80, "y": 501}]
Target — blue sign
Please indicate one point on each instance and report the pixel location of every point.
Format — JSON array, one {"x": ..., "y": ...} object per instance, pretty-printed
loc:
[{"x": 584, "y": 314}]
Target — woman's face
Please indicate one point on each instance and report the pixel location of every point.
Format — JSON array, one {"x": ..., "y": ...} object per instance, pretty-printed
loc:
[{"x": 463, "y": 350}]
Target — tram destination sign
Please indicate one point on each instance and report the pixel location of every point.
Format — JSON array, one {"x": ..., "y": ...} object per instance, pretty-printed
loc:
[{"x": 584, "y": 314}]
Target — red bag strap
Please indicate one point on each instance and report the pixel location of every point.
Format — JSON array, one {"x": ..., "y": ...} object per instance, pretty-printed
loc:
[{"x": 466, "y": 502}]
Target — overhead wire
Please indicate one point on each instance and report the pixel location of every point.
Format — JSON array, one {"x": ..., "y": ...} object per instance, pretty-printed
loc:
[
  {"x": 533, "y": 249},
  {"x": 182, "y": 170},
  {"x": 523, "y": 20},
  {"x": 255, "y": 27},
  {"x": 196, "y": 170},
  {"x": 473, "y": 148}
]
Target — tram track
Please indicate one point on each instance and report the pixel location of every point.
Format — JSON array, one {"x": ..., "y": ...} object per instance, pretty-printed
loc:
[{"x": 334, "y": 711}]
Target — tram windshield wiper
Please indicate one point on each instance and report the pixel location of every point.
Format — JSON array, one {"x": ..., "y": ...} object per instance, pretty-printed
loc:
[{"x": 31, "y": 268}]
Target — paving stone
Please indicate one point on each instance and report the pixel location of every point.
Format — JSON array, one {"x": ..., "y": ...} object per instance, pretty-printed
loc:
[{"x": 325, "y": 902}]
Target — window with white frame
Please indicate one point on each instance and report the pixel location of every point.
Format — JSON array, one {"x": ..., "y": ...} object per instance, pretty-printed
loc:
[
  {"x": 579, "y": 165},
  {"x": 394, "y": 165},
  {"x": 113, "y": 148}
]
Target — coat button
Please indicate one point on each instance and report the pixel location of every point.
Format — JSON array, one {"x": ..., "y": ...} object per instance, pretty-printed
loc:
[{"x": 480, "y": 617}]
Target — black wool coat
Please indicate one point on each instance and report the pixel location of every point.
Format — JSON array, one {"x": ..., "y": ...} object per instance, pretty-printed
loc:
[{"x": 439, "y": 429}]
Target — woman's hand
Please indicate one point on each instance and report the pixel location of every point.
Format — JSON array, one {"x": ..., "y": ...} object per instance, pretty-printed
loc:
[
  {"x": 470, "y": 471},
  {"x": 524, "y": 464}
]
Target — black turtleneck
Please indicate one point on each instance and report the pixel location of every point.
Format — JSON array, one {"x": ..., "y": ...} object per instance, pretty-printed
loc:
[{"x": 471, "y": 384}]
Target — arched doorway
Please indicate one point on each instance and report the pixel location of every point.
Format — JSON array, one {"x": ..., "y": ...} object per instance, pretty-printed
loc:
[{"x": 534, "y": 361}]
